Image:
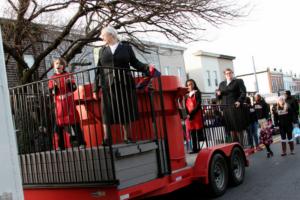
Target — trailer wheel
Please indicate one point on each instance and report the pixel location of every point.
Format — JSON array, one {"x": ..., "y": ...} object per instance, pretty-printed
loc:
[
  {"x": 237, "y": 167},
  {"x": 218, "y": 175}
]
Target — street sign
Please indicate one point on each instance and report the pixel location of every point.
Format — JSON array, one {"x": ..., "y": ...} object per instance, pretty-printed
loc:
[{"x": 10, "y": 177}]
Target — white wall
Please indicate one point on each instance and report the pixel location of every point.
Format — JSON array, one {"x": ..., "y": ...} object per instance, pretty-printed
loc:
[
  {"x": 10, "y": 177},
  {"x": 173, "y": 60},
  {"x": 210, "y": 65},
  {"x": 224, "y": 64},
  {"x": 193, "y": 66},
  {"x": 197, "y": 67}
]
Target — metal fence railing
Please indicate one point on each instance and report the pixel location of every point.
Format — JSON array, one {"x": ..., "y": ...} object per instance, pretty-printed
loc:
[
  {"x": 215, "y": 129},
  {"x": 59, "y": 125},
  {"x": 67, "y": 134}
]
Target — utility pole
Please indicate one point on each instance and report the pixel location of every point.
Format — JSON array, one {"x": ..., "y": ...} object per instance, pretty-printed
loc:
[{"x": 255, "y": 75}]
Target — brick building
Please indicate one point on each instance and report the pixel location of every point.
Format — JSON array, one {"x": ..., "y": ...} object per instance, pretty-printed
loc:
[
  {"x": 10, "y": 62},
  {"x": 85, "y": 56},
  {"x": 271, "y": 83}
]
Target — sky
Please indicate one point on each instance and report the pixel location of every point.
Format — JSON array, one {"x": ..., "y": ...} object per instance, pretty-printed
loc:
[{"x": 271, "y": 34}]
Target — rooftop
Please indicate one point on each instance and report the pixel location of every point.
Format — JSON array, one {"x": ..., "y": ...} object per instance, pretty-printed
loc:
[{"x": 214, "y": 55}]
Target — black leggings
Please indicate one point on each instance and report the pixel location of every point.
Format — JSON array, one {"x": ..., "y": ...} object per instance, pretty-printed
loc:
[
  {"x": 78, "y": 135},
  {"x": 286, "y": 132},
  {"x": 197, "y": 136},
  {"x": 268, "y": 148}
]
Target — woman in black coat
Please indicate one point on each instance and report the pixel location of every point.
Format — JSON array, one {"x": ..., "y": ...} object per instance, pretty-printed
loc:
[
  {"x": 285, "y": 122},
  {"x": 113, "y": 76},
  {"x": 232, "y": 94},
  {"x": 262, "y": 109}
]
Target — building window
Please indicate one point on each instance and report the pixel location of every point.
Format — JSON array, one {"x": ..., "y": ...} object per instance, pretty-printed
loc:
[
  {"x": 273, "y": 86},
  {"x": 167, "y": 71},
  {"x": 216, "y": 78},
  {"x": 179, "y": 73},
  {"x": 276, "y": 85},
  {"x": 208, "y": 78},
  {"x": 29, "y": 59}
]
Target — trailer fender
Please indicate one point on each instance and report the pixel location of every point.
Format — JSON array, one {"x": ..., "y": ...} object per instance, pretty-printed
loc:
[{"x": 203, "y": 160}]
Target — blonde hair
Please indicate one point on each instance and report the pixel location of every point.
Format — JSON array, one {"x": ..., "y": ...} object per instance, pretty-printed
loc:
[
  {"x": 263, "y": 123},
  {"x": 282, "y": 99}
]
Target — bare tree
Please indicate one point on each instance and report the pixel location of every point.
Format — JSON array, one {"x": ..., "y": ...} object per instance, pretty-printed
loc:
[{"x": 37, "y": 21}]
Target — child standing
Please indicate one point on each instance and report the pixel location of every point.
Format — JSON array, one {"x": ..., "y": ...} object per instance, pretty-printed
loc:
[
  {"x": 194, "y": 115},
  {"x": 62, "y": 86},
  {"x": 266, "y": 137}
]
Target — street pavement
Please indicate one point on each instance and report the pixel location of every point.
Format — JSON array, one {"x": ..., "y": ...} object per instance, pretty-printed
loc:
[{"x": 266, "y": 179}]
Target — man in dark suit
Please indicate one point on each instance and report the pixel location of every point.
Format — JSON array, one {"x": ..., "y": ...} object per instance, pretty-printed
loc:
[
  {"x": 232, "y": 94},
  {"x": 113, "y": 76}
]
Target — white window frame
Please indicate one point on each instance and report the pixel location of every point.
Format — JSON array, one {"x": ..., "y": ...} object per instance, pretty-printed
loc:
[
  {"x": 215, "y": 78},
  {"x": 179, "y": 71},
  {"x": 208, "y": 78},
  {"x": 167, "y": 70}
]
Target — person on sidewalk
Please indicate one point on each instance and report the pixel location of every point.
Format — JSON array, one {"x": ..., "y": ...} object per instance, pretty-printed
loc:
[
  {"x": 285, "y": 122},
  {"x": 262, "y": 109},
  {"x": 266, "y": 137},
  {"x": 194, "y": 115},
  {"x": 293, "y": 104},
  {"x": 253, "y": 125}
]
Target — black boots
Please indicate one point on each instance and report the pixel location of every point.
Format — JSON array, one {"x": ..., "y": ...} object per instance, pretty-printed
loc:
[
  {"x": 270, "y": 154},
  {"x": 291, "y": 144},
  {"x": 283, "y": 146}
]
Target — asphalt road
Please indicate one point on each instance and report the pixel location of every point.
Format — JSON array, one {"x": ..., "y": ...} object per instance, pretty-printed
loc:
[{"x": 266, "y": 179}]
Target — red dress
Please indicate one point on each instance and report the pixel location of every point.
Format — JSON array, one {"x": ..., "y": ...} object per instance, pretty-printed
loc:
[
  {"x": 192, "y": 103},
  {"x": 65, "y": 111}
]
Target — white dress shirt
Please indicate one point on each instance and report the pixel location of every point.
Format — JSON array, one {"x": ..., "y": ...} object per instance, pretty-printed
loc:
[{"x": 113, "y": 47}]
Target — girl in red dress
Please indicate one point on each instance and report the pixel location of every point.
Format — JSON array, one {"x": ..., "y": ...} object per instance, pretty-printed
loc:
[
  {"x": 194, "y": 121},
  {"x": 62, "y": 85},
  {"x": 266, "y": 136}
]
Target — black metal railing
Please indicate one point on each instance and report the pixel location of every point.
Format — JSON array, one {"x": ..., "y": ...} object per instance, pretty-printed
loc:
[
  {"x": 66, "y": 134},
  {"x": 215, "y": 127}
]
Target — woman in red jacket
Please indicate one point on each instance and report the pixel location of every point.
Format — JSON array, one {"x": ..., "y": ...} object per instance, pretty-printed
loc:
[
  {"x": 62, "y": 85},
  {"x": 194, "y": 115}
]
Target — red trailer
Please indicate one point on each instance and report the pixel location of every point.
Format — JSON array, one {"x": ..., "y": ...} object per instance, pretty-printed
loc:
[{"x": 155, "y": 163}]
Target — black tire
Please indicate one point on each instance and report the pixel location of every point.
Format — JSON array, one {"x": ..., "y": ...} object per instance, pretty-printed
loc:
[
  {"x": 237, "y": 167},
  {"x": 218, "y": 175}
]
